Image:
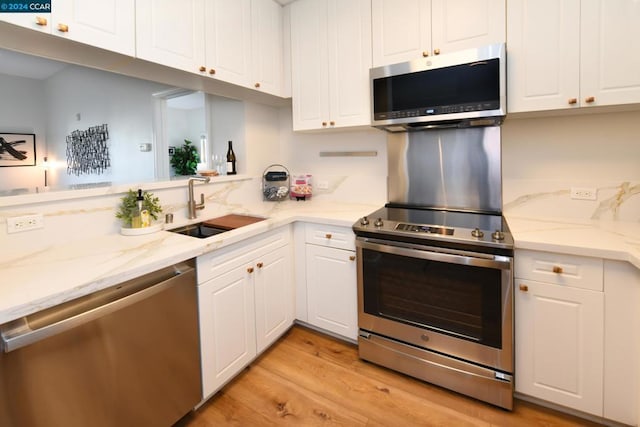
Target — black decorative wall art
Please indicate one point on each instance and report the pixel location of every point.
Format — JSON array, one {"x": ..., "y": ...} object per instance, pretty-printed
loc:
[
  {"x": 17, "y": 149},
  {"x": 87, "y": 151}
]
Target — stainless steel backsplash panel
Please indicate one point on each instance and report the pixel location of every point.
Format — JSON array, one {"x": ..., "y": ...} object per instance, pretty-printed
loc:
[{"x": 452, "y": 168}]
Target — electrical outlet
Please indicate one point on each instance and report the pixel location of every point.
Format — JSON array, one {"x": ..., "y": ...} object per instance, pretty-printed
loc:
[
  {"x": 18, "y": 224},
  {"x": 322, "y": 185},
  {"x": 581, "y": 193}
]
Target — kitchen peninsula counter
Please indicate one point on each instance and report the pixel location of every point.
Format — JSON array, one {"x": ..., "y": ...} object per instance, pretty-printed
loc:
[{"x": 42, "y": 276}]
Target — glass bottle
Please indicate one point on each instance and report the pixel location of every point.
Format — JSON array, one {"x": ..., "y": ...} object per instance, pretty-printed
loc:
[{"x": 231, "y": 160}]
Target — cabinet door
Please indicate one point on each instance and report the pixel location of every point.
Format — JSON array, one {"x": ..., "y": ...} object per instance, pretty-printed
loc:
[
  {"x": 401, "y": 30},
  {"x": 309, "y": 70},
  {"x": 543, "y": 65},
  {"x": 228, "y": 40},
  {"x": 331, "y": 290},
  {"x": 330, "y": 61},
  {"x": 622, "y": 342},
  {"x": 274, "y": 296},
  {"x": 559, "y": 345},
  {"x": 171, "y": 35},
  {"x": 108, "y": 24},
  {"x": 227, "y": 326},
  {"x": 267, "y": 46},
  {"x": 349, "y": 31},
  {"x": 464, "y": 24},
  {"x": 610, "y": 42},
  {"x": 40, "y": 21}
]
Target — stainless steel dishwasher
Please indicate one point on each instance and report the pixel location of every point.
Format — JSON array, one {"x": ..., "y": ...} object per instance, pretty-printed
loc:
[{"x": 124, "y": 356}]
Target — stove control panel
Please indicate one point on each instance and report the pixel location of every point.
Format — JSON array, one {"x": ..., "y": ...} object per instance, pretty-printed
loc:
[{"x": 447, "y": 231}]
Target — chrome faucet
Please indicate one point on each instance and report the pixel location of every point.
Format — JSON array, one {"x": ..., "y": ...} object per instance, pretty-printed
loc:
[{"x": 192, "y": 206}]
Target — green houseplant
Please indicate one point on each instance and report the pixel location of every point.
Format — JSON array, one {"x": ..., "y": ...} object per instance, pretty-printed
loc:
[
  {"x": 185, "y": 159},
  {"x": 129, "y": 205}
]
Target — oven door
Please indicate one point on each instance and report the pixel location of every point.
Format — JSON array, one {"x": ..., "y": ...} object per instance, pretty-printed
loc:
[{"x": 453, "y": 302}]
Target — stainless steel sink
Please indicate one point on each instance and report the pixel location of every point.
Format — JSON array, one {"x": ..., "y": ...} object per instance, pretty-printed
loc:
[{"x": 198, "y": 230}]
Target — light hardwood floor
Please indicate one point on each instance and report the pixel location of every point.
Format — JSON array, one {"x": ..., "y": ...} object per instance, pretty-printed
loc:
[{"x": 310, "y": 379}]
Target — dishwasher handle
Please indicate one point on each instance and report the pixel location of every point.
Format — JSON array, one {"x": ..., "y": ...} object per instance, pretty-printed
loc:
[{"x": 19, "y": 333}]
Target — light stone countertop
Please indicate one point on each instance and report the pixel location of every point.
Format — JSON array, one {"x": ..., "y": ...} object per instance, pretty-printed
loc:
[
  {"x": 41, "y": 276},
  {"x": 615, "y": 240},
  {"x": 69, "y": 270}
]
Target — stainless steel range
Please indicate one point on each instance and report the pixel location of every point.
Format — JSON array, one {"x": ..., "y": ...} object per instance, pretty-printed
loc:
[{"x": 435, "y": 266}]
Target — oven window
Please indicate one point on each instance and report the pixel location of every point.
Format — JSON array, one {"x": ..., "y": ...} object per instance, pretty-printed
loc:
[{"x": 458, "y": 300}]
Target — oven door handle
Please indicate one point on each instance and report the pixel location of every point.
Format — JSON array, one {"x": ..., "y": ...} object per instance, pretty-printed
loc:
[{"x": 439, "y": 254}]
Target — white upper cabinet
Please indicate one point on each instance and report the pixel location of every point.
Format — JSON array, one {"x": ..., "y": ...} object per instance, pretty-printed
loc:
[
  {"x": 465, "y": 24},
  {"x": 401, "y": 30},
  {"x": 107, "y": 24},
  {"x": 267, "y": 46},
  {"x": 236, "y": 41},
  {"x": 404, "y": 30},
  {"x": 609, "y": 51},
  {"x": 171, "y": 35},
  {"x": 543, "y": 66},
  {"x": 330, "y": 61},
  {"x": 228, "y": 40},
  {"x": 571, "y": 54},
  {"x": 40, "y": 21}
]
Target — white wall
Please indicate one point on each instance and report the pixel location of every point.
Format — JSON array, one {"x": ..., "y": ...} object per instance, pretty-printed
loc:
[
  {"x": 354, "y": 179},
  {"x": 228, "y": 124},
  {"x": 262, "y": 133},
  {"x": 544, "y": 157},
  {"x": 22, "y": 110},
  {"x": 125, "y": 104}
]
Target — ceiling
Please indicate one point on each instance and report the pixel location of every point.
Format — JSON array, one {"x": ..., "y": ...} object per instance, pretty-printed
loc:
[{"x": 29, "y": 66}]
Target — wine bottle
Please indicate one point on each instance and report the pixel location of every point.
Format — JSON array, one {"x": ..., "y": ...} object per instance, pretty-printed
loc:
[{"x": 231, "y": 160}]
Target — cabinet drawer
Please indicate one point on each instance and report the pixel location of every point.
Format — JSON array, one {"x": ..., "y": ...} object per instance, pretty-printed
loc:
[
  {"x": 219, "y": 261},
  {"x": 560, "y": 269},
  {"x": 330, "y": 236}
]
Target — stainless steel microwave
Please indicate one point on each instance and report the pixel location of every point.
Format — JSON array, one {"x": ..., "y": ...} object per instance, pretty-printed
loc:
[{"x": 459, "y": 89}]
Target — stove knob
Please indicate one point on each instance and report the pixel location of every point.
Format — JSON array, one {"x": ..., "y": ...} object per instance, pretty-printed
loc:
[
  {"x": 378, "y": 222},
  {"x": 477, "y": 233},
  {"x": 364, "y": 221},
  {"x": 497, "y": 235}
]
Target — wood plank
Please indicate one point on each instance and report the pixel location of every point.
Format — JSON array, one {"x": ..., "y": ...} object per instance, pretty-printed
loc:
[
  {"x": 308, "y": 379},
  {"x": 381, "y": 401},
  {"x": 336, "y": 351},
  {"x": 286, "y": 403},
  {"x": 232, "y": 221}
]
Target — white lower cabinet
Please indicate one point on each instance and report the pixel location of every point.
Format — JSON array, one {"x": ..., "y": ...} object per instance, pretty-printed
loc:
[
  {"x": 245, "y": 296},
  {"x": 331, "y": 285},
  {"x": 559, "y": 344},
  {"x": 621, "y": 342},
  {"x": 578, "y": 333}
]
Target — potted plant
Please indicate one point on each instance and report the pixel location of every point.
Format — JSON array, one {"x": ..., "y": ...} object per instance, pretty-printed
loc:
[
  {"x": 185, "y": 159},
  {"x": 129, "y": 207}
]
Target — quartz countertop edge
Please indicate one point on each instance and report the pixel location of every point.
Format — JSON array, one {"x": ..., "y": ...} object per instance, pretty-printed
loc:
[
  {"x": 613, "y": 240},
  {"x": 43, "y": 277}
]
